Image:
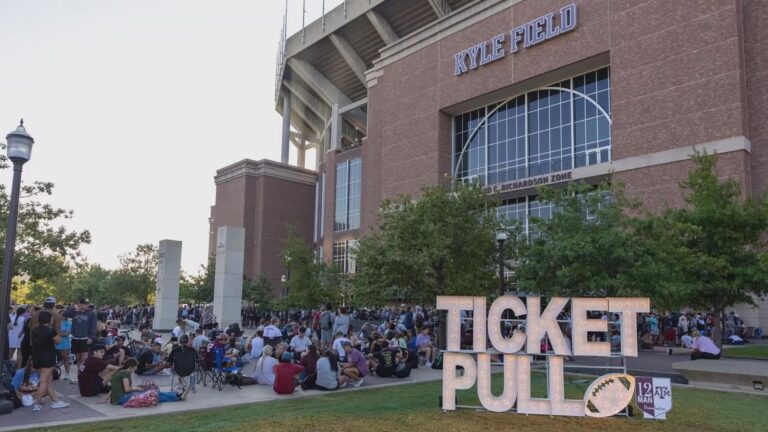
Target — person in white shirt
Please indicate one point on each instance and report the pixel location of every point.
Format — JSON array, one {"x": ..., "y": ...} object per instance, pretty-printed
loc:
[
  {"x": 338, "y": 349},
  {"x": 264, "y": 373},
  {"x": 186, "y": 327},
  {"x": 300, "y": 343},
  {"x": 687, "y": 341},
  {"x": 272, "y": 333},
  {"x": 176, "y": 331},
  {"x": 257, "y": 343},
  {"x": 704, "y": 348}
]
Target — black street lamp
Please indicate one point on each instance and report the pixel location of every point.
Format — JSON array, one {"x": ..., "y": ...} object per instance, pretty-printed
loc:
[
  {"x": 19, "y": 146},
  {"x": 501, "y": 237}
]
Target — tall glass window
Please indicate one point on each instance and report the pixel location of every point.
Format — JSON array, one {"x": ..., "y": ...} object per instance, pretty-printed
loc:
[
  {"x": 348, "y": 186},
  {"x": 340, "y": 256},
  {"x": 536, "y": 133}
]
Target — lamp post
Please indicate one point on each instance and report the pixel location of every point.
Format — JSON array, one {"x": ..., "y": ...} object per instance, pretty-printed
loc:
[
  {"x": 19, "y": 146},
  {"x": 501, "y": 237}
]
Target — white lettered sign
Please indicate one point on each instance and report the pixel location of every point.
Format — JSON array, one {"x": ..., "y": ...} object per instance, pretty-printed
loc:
[{"x": 606, "y": 396}]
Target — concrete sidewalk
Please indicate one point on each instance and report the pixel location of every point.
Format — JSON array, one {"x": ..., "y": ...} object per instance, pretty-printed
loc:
[{"x": 92, "y": 409}]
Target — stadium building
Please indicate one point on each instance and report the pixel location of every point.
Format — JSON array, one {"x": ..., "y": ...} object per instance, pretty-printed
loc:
[{"x": 394, "y": 95}]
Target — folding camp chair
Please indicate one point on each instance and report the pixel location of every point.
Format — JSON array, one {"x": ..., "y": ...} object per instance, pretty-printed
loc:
[
  {"x": 222, "y": 374},
  {"x": 184, "y": 366}
]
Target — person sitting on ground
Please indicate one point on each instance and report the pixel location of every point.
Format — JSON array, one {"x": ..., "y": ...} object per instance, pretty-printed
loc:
[
  {"x": 286, "y": 375},
  {"x": 117, "y": 352},
  {"x": 704, "y": 348},
  {"x": 384, "y": 362},
  {"x": 149, "y": 361},
  {"x": 256, "y": 344},
  {"x": 337, "y": 349},
  {"x": 355, "y": 367},
  {"x": 169, "y": 346},
  {"x": 309, "y": 362},
  {"x": 686, "y": 341},
  {"x": 95, "y": 373},
  {"x": 425, "y": 346},
  {"x": 272, "y": 334},
  {"x": 123, "y": 389},
  {"x": 199, "y": 339},
  {"x": 300, "y": 343},
  {"x": 26, "y": 382},
  {"x": 264, "y": 372},
  {"x": 328, "y": 373}
]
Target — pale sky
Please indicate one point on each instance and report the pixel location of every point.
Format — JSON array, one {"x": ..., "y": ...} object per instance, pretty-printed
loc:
[{"x": 134, "y": 104}]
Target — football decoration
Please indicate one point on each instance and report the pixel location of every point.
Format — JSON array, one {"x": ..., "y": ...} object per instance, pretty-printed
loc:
[{"x": 609, "y": 394}]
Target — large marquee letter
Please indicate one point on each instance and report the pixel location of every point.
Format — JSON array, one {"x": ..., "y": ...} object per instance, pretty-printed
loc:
[
  {"x": 581, "y": 326},
  {"x": 629, "y": 308},
  {"x": 451, "y": 382},
  {"x": 454, "y": 305},
  {"x": 516, "y": 342},
  {"x": 506, "y": 401},
  {"x": 540, "y": 324}
]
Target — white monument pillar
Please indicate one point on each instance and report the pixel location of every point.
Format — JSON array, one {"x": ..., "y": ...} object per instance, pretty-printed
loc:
[
  {"x": 167, "y": 292},
  {"x": 228, "y": 284}
]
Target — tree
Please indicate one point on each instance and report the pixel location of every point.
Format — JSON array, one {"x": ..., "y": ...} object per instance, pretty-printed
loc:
[
  {"x": 722, "y": 259},
  {"x": 309, "y": 282},
  {"x": 199, "y": 288},
  {"x": 441, "y": 244},
  {"x": 137, "y": 275},
  {"x": 588, "y": 247},
  {"x": 44, "y": 249},
  {"x": 258, "y": 291}
]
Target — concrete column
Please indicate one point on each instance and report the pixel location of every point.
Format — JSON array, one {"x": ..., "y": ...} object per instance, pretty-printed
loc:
[
  {"x": 286, "y": 127},
  {"x": 167, "y": 292},
  {"x": 302, "y": 154},
  {"x": 335, "y": 128},
  {"x": 228, "y": 283}
]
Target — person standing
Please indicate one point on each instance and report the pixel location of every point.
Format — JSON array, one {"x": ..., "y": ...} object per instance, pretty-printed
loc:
[
  {"x": 83, "y": 333},
  {"x": 44, "y": 340},
  {"x": 341, "y": 322},
  {"x": 326, "y": 327},
  {"x": 16, "y": 334},
  {"x": 65, "y": 346}
]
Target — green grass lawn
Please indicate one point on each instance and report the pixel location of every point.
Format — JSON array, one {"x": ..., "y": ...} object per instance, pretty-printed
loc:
[
  {"x": 414, "y": 407},
  {"x": 751, "y": 351}
]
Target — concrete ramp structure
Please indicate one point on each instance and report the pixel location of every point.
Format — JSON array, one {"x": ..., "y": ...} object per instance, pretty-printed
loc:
[{"x": 228, "y": 283}]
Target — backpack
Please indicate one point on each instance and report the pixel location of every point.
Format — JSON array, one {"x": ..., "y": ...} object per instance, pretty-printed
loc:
[
  {"x": 402, "y": 370},
  {"x": 438, "y": 363},
  {"x": 7, "y": 376},
  {"x": 326, "y": 322}
]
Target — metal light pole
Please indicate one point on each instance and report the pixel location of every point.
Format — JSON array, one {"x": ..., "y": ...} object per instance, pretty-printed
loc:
[
  {"x": 501, "y": 237},
  {"x": 19, "y": 146}
]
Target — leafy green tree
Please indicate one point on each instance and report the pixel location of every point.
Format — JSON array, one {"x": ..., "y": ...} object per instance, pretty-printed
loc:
[
  {"x": 440, "y": 243},
  {"x": 137, "y": 275},
  {"x": 198, "y": 288},
  {"x": 723, "y": 235},
  {"x": 309, "y": 282},
  {"x": 258, "y": 291},
  {"x": 44, "y": 247},
  {"x": 588, "y": 247}
]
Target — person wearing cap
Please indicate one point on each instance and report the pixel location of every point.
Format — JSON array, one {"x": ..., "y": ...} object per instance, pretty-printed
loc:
[
  {"x": 95, "y": 373},
  {"x": 83, "y": 332},
  {"x": 48, "y": 305},
  {"x": 355, "y": 367},
  {"x": 286, "y": 375},
  {"x": 150, "y": 362}
]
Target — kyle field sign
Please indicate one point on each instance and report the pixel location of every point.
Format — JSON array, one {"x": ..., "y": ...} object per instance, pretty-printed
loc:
[{"x": 529, "y": 34}]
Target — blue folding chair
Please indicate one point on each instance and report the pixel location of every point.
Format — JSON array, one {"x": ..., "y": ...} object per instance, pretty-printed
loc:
[{"x": 221, "y": 373}]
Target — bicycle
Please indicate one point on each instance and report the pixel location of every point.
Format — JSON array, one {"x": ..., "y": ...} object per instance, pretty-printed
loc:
[{"x": 134, "y": 345}]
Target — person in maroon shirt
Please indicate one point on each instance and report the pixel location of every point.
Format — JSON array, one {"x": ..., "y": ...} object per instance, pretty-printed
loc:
[
  {"x": 309, "y": 361},
  {"x": 94, "y": 373},
  {"x": 286, "y": 375}
]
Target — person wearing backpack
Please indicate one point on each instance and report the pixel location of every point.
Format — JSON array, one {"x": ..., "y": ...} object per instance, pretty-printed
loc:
[{"x": 326, "y": 327}]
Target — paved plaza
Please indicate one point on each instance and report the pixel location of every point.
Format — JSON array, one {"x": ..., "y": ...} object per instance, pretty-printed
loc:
[{"x": 656, "y": 362}]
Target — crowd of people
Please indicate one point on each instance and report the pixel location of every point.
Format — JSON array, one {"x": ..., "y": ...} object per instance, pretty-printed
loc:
[{"x": 305, "y": 349}]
